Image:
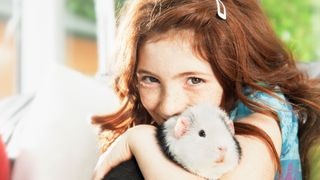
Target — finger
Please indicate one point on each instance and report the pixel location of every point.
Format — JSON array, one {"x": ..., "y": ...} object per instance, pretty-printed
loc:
[
  {"x": 95, "y": 176},
  {"x": 101, "y": 168},
  {"x": 98, "y": 175},
  {"x": 102, "y": 171}
]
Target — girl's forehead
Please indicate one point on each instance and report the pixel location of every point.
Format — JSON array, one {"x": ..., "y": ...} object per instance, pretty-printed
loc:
[
  {"x": 182, "y": 38},
  {"x": 181, "y": 35}
]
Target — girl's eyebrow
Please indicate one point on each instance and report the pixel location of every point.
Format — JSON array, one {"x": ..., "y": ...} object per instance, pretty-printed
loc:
[
  {"x": 142, "y": 71},
  {"x": 188, "y": 73},
  {"x": 193, "y": 73}
]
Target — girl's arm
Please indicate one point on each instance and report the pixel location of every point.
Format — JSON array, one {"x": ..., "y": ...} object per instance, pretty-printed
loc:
[{"x": 256, "y": 161}]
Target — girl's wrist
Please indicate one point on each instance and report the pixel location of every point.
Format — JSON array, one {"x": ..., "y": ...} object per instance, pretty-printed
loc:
[{"x": 139, "y": 135}]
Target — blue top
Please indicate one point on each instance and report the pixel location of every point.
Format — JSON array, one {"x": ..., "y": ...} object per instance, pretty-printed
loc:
[{"x": 289, "y": 158}]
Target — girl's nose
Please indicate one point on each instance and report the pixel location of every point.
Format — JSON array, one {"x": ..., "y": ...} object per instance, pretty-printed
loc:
[{"x": 172, "y": 103}]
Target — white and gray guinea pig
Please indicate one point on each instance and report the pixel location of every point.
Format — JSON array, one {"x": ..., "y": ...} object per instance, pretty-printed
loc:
[{"x": 201, "y": 140}]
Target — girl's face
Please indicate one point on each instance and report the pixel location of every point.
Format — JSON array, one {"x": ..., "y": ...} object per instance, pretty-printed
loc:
[{"x": 171, "y": 78}]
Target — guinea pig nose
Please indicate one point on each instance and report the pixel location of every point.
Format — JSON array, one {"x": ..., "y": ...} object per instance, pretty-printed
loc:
[{"x": 222, "y": 149}]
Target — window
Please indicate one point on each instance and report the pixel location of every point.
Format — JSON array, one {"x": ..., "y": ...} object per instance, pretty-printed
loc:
[{"x": 81, "y": 48}]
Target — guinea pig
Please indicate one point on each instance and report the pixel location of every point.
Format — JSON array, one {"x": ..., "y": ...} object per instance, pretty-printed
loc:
[{"x": 200, "y": 139}]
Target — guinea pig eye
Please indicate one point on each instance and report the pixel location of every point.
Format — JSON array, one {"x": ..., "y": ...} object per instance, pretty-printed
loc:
[{"x": 202, "y": 133}]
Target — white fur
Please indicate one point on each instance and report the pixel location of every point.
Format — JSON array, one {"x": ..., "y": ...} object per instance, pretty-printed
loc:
[{"x": 198, "y": 154}]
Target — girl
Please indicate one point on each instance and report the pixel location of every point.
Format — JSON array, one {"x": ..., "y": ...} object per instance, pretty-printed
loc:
[{"x": 178, "y": 53}]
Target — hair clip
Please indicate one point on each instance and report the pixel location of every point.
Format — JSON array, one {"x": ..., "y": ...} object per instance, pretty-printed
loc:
[{"x": 221, "y": 14}]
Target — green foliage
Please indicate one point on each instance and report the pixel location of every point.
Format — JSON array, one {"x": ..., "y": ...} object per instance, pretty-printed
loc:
[
  {"x": 118, "y": 5},
  {"x": 293, "y": 21},
  {"x": 85, "y": 8},
  {"x": 82, "y": 8},
  {"x": 314, "y": 156}
]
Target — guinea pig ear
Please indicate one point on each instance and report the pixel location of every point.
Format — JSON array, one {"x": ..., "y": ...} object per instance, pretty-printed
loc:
[
  {"x": 231, "y": 126},
  {"x": 181, "y": 127}
]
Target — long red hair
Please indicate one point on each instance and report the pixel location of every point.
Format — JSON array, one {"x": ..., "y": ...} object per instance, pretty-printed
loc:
[{"x": 241, "y": 50}]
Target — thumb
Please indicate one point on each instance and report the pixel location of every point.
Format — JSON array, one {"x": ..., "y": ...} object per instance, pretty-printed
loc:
[{"x": 118, "y": 152}]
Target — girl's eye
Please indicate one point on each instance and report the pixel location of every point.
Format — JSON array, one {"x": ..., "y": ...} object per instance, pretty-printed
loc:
[
  {"x": 194, "y": 81},
  {"x": 149, "y": 79}
]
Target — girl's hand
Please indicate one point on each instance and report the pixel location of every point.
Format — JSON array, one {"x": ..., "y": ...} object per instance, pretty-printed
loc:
[{"x": 118, "y": 152}]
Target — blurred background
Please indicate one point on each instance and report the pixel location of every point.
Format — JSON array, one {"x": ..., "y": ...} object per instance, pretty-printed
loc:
[{"x": 36, "y": 33}]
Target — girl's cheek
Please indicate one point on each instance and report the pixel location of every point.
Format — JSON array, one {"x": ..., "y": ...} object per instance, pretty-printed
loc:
[
  {"x": 149, "y": 97},
  {"x": 206, "y": 95}
]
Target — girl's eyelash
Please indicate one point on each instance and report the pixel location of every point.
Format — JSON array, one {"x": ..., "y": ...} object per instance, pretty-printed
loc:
[{"x": 148, "y": 82}]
